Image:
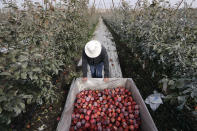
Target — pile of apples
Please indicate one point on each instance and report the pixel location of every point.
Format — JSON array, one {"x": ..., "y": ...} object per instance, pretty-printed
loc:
[{"x": 105, "y": 110}]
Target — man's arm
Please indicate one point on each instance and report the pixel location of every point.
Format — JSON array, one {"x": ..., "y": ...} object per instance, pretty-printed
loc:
[
  {"x": 106, "y": 64},
  {"x": 84, "y": 64}
]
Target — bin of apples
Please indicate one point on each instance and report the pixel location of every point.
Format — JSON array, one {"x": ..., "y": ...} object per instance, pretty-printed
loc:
[{"x": 105, "y": 110}]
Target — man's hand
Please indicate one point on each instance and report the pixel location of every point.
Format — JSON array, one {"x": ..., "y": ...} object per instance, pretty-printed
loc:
[
  {"x": 84, "y": 79},
  {"x": 106, "y": 79}
]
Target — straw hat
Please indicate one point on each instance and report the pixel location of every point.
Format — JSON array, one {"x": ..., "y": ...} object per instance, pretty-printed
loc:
[{"x": 93, "y": 48}]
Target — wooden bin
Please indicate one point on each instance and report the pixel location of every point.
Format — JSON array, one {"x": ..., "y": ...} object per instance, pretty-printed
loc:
[{"x": 147, "y": 123}]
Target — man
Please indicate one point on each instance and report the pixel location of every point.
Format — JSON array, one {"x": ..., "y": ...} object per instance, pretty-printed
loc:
[{"x": 96, "y": 56}]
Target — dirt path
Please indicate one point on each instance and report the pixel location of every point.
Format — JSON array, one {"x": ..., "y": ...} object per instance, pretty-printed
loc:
[{"x": 103, "y": 35}]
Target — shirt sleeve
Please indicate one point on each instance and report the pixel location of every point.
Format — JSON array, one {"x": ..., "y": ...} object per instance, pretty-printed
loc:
[
  {"x": 106, "y": 63},
  {"x": 84, "y": 64}
]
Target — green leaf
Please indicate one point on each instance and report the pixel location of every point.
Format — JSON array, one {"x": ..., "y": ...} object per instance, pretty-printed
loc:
[
  {"x": 165, "y": 84},
  {"x": 56, "y": 71},
  {"x": 17, "y": 74},
  {"x": 5, "y": 74},
  {"x": 194, "y": 94},
  {"x": 195, "y": 99},
  {"x": 169, "y": 96},
  {"x": 180, "y": 107},
  {"x": 181, "y": 99},
  {"x": 17, "y": 110},
  {"x": 24, "y": 65},
  {"x": 180, "y": 83},
  {"x": 35, "y": 77},
  {"x": 30, "y": 75},
  {"x": 38, "y": 56},
  {"x": 23, "y": 58},
  {"x": 29, "y": 101},
  {"x": 8, "y": 121},
  {"x": 24, "y": 75},
  {"x": 22, "y": 105},
  {"x": 3, "y": 98},
  {"x": 26, "y": 96},
  {"x": 39, "y": 101},
  {"x": 37, "y": 69},
  {"x": 1, "y": 110},
  {"x": 171, "y": 82},
  {"x": 1, "y": 91},
  {"x": 1, "y": 67},
  {"x": 187, "y": 91}
]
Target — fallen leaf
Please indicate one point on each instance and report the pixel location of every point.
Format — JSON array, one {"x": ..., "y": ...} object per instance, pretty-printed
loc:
[
  {"x": 28, "y": 126},
  {"x": 42, "y": 127},
  {"x": 58, "y": 118},
  {"x": 38, "y": 119}
]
